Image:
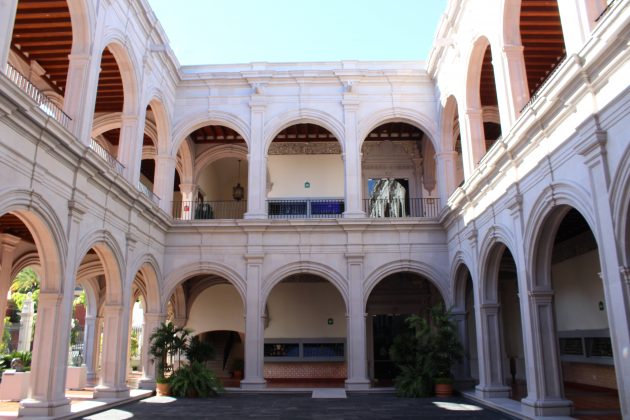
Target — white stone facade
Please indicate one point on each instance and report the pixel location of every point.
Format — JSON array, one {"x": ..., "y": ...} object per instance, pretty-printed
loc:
[{"x": 568, "y": 148}]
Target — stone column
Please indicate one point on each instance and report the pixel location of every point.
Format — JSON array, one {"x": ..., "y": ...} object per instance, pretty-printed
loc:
[
  {"x": 462, "y": 370},
  {"x": 26, "y": 323},
  {"x": 512, "y": 88},
  {"x": 446, "y": 167},
  {"x": 80, "y": 95},
  {"x": 356, "y": 336},
  {"x": 8, "y": 9},
  {"x": 164, "y": 180},
  {"x": 592, "y": 148},
  {"x": 7, "y": 248},
  {"x": 491, "y": 371},
  {"x": 352, "y": 159},
  {"x": 114, "y": 359},
  {"x": 91, "y": 342},
  {"x": 254, "y": 325},
  {"x": 130, "y": 145},
  {"x": 473, "y": 139},
  {"x": 257, "y": 161},
  {"x": 189, "y": 201},
  {"x": 151, "y": 322},
  {"x": 578, "y": 20}
]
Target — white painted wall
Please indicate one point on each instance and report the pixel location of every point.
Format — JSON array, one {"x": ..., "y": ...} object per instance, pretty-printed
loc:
[
  {"x": 217, "y": 308},
  {"x": 577, "y": 293},
  {"x": 301, "y": 310},
  {"x": 289, "y": 173},
  {"x": 218, "y": 178}
]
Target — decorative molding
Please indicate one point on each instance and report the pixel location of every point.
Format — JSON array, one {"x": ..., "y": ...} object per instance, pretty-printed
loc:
[{"x": 313, "y": 148}]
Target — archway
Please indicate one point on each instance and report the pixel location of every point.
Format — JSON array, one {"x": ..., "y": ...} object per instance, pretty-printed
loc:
[
  {"x": 390, "y": 302},
  {"x": 567, "y": 264},
  {"x": 399, "y": 172},
  {"x": 305, "y": 333},
  {"x": 217, "y": 188},
  {"x": 464, "y": 315},
  {"x": 305, "y": 174}
]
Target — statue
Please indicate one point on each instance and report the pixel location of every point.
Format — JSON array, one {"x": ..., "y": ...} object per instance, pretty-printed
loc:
[{"x": 17, "y": 364}]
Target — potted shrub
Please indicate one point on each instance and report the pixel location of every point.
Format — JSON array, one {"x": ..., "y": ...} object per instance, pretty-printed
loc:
[
  {"x": 237, "y": 368},
  {"x": 166, "y": 342},
  {"x": 446, "y": 350},
  {"x": 194, "y": 380}
]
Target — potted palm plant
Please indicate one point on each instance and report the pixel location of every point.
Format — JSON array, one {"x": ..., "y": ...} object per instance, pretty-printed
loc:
[
  {"x": 446, "y": 350},
  {"x": 166, "y": 343}
]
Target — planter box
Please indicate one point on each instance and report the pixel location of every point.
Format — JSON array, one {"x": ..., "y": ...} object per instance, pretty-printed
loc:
[
  {"x": 14, "y": 386},
  {"x": 76, "y": 377}
]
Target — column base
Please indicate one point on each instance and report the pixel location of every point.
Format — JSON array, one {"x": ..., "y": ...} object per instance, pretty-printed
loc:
[
  {"x": 259, "y": 216},
  {"x": 146, "y": 383},
  {"x": 36, "y": 408},
  {"x": 547, "y": 407},
  {"x": 493, "y": 391},
  {"x": 253, "y": 384},
  {"x": 354, "y": 215},
  {"x": 358, "y": 384},
  {"x": 104, "y": 391}
]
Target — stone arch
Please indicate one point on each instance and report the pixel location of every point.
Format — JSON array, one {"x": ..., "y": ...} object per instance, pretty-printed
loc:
[
  {"x": 185, "y": 164},
  {"x": 92, "y": 297},
  {"x": 82, "y": 19},
  {"x": 449, "y": 110},
  {"x": 216, "y": 153},
  {"x": 303, "y": 116},
  {"x": 111, "y": 257},
  {"x": 180, "y": 274},
  {"x": 497, "y": 240},
  {"x": 510, "y": 33},
  {"x": 550, "y": 199},
  {"x": 162, "y": 123},
  {"x": 47, "y": 231},
  {"x": 106, "y": 122},
  {"x": 30, "y": 259},
  {"x": 404, "y": 115},
  {"x": 305, "y": 267},
  {"x": 474, "y": 61},
  {"x": 458, "y": 282},
  {"x": 620, "y": 203},
  {"x": 128, "y": 68},
  {"x": 187, "y": 126},
  {"x": 430, "y": 273},
  {"x": 150, "y": 269}
]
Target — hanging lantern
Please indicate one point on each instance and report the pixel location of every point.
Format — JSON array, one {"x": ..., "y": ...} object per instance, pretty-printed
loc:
[{"x": 238, "y": 192}]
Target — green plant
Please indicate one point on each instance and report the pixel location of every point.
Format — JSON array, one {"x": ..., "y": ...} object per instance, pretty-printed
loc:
[
  {"x": 237, "y": 365},
  {"x": 199, "y": 351},
  {"x": 24, "y": 356},
  {"x": 446, "y": 348},
  {"x": 134, "y": 344},
  {"x": 194, "y": 380},
  {"x": 26, "y": 281},
  {"x": 166, "y": 343},
  {"x": 6, "y": 336}
]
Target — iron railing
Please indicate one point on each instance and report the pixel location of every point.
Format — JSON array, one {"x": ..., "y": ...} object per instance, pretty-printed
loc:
[
  {"x": 200, "y": 210},
  {"x": 412, "y": 207},
  {"x": 43, "y": 101},
  {"x": 146, "y": 191},
  {"x": 320, "y": 208},
  {"x": 111, "y": 160},
  {"x": 545, "y": 82}
]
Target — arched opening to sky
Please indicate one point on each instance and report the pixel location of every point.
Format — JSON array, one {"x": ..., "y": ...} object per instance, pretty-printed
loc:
[{"x": 242, "y": 31}]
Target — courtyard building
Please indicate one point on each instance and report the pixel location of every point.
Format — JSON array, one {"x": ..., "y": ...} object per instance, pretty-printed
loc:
[{"x": 292, "y": 214}]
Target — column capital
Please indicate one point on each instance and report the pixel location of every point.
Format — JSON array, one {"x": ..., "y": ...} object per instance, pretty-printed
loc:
[{"x": 8, "y": 241}]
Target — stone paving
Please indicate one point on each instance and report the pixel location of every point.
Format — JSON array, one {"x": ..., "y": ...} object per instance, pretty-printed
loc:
[{"x": 301, "y": 406}]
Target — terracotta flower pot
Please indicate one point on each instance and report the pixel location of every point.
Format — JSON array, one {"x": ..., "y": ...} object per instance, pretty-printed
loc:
[
  {"x": 443, "y": 390},
  {"x": 163, "y": 389}
]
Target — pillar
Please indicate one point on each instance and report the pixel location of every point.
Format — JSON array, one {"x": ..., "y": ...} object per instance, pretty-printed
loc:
[
  {"x": 592, "y": 147},
  {"x": 491, "y": 371},
  {"x": 8, "y": 10},
  {"x": 254, "y": 325},
  {"x": 189, "y": 201},
  {"x": 164, "y": 180},
  {"x": 151, "y": 322},
  {"x": 462, "y": 370},
  {"x": 130, "y": 145},
  {"x": 26, "y": 323},
  {"x": 473, "y": 139},
  {"x": 92, "y": 340},
  {"x": 446, "y": 163},
  {"x": 511, "y": 82},
  {"x": 357, "y": 354},
  {"x": 8, "y": 243},
  {"x": 80, "y": 95},
  {"x": 113, "y": 378},
  {"x": 578, "y": 20},
  {"x": 352, "y": 160},
  {"x": 257, "y": 161}
]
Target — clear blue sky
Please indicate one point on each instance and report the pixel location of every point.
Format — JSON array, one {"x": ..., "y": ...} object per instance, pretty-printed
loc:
[{"x": 241, "y": 31}]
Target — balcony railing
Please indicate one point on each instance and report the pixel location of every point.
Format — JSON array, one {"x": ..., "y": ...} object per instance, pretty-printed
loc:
[
  {"x": 413, "y": 207},
  {"x": 146, "y": 191},
  {"x": 111, "y": 160},
  {"x": 200, "y": 210},
  {"x": 320, "y": 208},
  {"x": 44, "y": 103}
]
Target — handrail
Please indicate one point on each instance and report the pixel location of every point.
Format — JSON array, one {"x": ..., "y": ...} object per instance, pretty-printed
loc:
[
  {"x": 311, "y": 208},
  {"x": 43, "y": 101},
  {"x": 111, "y": 160},
  {"x": 544, "y": 83},
  {"x": 204, "y": 210},
  {"x": 397, "y": 208},
  {"x": 146, "y": 191}
]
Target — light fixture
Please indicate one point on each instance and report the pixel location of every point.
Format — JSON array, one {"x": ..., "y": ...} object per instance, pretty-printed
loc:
[{"x": 237, "y": 191}]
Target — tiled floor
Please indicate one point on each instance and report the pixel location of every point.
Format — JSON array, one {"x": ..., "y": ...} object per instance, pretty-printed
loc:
[{"x": 368, "y": 406}]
